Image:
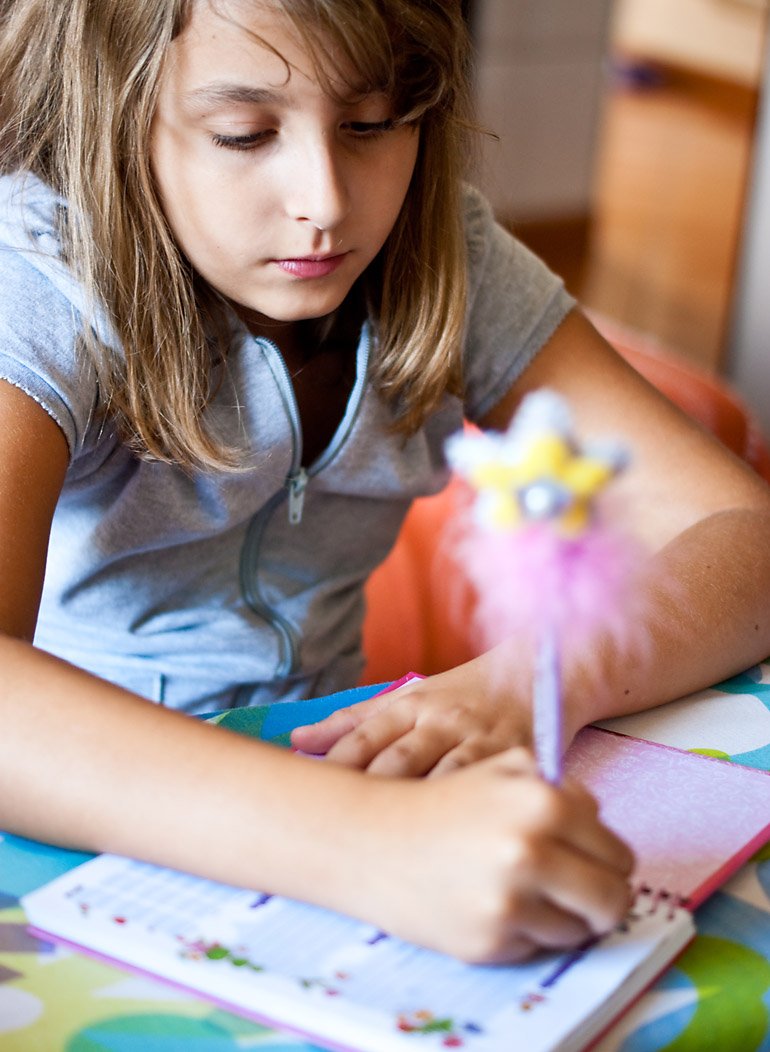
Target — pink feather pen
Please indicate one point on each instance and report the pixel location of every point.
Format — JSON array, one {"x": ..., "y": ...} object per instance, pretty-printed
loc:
[{"x": 544, "y": 563}]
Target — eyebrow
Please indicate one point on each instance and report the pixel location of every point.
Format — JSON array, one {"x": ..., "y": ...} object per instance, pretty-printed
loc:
[{"x": 221, "y": 93}]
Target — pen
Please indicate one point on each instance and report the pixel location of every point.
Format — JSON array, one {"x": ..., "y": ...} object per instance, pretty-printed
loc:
[{"x": 546, "y": 709}]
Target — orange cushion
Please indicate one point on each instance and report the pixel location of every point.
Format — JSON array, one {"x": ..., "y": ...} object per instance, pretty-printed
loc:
[{"x": 417, "y": 602}]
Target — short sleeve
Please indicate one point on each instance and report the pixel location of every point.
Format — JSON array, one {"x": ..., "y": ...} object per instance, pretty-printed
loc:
[
  {"x": 39, "y": 330},
  {"x": 515, "y": 305}
]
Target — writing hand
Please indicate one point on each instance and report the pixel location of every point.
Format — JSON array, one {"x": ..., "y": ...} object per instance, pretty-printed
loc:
[{"x": 492, "y": 863}]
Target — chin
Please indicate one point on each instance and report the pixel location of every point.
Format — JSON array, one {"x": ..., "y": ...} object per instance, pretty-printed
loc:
[{"x": 306, "y": 312}]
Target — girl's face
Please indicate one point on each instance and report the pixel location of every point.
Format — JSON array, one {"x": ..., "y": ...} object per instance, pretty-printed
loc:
[{"x": 278, "y": 195}]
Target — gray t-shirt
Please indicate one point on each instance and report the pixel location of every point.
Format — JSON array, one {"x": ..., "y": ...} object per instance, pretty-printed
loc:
[{"x": 207, "y": 590}]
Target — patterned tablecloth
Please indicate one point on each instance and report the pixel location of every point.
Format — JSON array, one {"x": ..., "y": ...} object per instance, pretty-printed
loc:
[{"x": 716, "y": 996}]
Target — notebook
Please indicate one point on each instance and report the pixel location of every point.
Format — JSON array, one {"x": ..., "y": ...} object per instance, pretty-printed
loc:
[{"x": 691, "y": 820}]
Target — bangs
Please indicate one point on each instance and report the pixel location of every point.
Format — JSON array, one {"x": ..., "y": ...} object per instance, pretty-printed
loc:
[
  {"x": 401, "y": 48},
  {"x": 376, "y": 47}
]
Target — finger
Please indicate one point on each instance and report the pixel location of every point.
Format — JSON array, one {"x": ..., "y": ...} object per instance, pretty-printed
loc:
[
  {"x": 576, "y": 885},
  {"x": 466, "y": 753},
  {"x": 596, "y": 839},
  {"x": 415, "y": 753},
  {"x": 533, "y": 924},
  {"x": 360, "y": 746},
  {"x": 510, "y": 950},
  {"x": 320, "y": 737},
  {"x": 517, "y": 761},
  {"x": 549, "y": 926}
]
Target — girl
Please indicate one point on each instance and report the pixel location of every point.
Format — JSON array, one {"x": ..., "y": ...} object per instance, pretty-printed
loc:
[{"x": 245, "y": 299}]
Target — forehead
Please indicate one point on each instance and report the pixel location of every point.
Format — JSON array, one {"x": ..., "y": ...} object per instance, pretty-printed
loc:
[
  {"x": 276, "y": 44},
  {"x": 235, "y": 35}
]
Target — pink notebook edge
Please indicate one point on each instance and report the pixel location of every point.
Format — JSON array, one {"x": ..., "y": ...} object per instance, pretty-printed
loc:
[{"x": 408, "y": 677}]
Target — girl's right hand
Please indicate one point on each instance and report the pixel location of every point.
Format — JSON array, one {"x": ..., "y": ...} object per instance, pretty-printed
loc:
[{"x": 491, "y": 863}]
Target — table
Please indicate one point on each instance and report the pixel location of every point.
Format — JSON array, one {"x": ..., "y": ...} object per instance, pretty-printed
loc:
[{"x": 715, "y": 997}]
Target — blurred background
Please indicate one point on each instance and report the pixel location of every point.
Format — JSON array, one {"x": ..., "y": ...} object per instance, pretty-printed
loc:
[{"x": 633, "y": 157}]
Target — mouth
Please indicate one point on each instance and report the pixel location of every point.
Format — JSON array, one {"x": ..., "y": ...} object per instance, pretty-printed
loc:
[{"x": 311, "y": 266}]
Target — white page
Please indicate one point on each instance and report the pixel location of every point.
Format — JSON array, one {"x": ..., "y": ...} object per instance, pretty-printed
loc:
[{"x": 343, "y": 982}]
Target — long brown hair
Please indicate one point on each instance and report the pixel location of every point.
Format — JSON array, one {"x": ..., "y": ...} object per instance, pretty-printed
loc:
[{"x": 78, "y": 88}]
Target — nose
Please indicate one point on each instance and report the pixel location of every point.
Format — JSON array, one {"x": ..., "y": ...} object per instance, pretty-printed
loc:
[{"x": 317, "y": 191}]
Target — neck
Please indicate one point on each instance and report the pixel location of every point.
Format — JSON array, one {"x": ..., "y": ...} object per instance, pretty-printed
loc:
[{"x": 259, "y": 325}]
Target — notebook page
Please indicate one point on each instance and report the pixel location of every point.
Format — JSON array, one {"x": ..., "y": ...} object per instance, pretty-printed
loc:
[{"x": 343, "y": 982}]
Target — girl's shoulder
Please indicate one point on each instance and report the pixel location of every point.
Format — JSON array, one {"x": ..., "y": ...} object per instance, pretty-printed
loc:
[
  {"x": 515, "y": 303},
  {"x": 478, "y": 219},
  {"x": 492, "y": 244},
  {"x": 494, "y": 251},
  {"x": 29, "y": 204},
  {"x": 30, "y": 222},
  {"x": 41, "y": 309},
  {"x": 500, "y": 266}
]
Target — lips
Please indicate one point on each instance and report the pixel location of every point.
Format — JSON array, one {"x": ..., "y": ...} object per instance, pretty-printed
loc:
[{"x": 311, "y": 266}]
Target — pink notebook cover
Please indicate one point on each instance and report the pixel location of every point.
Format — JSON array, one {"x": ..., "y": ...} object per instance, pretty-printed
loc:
[{"x": 691, "y": 820}]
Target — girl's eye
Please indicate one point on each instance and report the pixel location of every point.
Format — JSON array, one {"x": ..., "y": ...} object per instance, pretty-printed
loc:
[
  {"x": 369, "y": 129},
  {"x": 242, "y": 142}
]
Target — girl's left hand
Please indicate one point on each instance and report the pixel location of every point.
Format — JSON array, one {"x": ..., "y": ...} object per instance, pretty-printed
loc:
[{"x": 428, "y": 726}]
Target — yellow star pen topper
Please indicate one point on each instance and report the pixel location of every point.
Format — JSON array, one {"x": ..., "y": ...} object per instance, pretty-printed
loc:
[{"x": 535, "y": 471}]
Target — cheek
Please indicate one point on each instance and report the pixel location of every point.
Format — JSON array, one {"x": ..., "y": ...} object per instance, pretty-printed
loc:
[
  {"x": 202, "y": 217},
  {"x": 396, "y": 177},
  {"x": 186, "y": 180}
]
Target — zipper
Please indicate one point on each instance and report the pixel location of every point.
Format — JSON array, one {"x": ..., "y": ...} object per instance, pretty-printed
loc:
[
  {"x": 296, "y": 483},
  {"x": 298, "y": 476},
  {"x": 282, "y": 378}
]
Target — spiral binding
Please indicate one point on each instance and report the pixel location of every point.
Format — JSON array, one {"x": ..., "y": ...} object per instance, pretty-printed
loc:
[{"x": 649, "y": 900}]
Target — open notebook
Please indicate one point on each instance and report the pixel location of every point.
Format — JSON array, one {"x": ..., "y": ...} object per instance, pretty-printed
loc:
[{"x": 691, "y": 820}]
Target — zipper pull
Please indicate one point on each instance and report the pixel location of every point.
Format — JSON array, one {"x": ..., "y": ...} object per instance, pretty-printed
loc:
[{"x": 297, "y": 484}]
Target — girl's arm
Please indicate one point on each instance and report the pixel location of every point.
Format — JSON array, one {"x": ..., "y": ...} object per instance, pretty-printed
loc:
[
  {"x": 704, "y": 514},
  {"x": 86, "y": 764}
]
